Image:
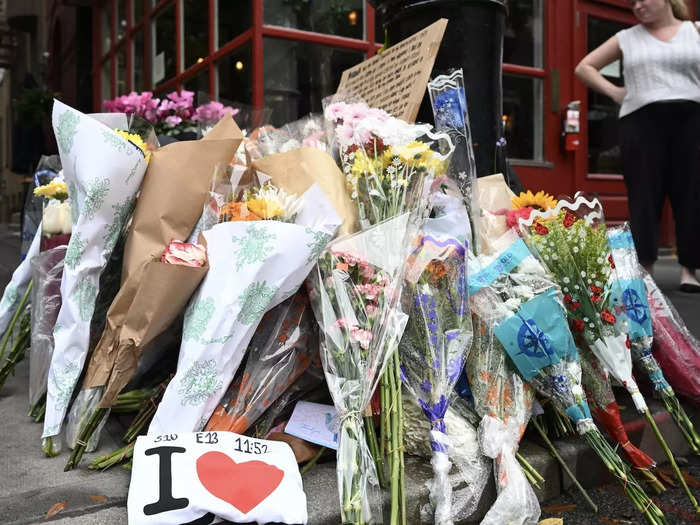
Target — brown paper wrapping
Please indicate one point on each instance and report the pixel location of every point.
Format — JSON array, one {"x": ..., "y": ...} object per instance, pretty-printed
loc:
[
  {"x": 297, "y": 170},
  {"x": 493, "y": 194},
  {"x": 152, "y": 294}
]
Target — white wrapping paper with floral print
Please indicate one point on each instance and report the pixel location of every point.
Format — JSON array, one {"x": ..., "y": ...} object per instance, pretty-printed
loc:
[
  {"x": 253, "y": 266},
  {"x": 103, "y": 172},
  {"x": 17, "y": 286}
]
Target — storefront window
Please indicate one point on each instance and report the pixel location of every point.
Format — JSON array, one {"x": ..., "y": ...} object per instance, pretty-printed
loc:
[
  {"x": 106, "y": 72},
  {"x": 121, "y": 70},
  {"x": 106, "y": 28},
  {"x": 137, "y": 49},
  {"x": 298, "y": 75},
  {"x": 233, "y": 18},
  {"x": 337, "y": 17},
  {"x": 522, "y": 116},
  {"x": 163, "y": 54},
  {"x": 522, "y": 39},
  {"x": 137, "y": 6},
  {"x": 196, "y": 28},
  {"x": 199, "y": 83},
  {"x": 121, "y": 19},
  {"x": 234, "y": 76}
]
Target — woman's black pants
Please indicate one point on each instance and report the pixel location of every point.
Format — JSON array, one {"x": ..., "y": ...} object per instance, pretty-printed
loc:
[{"x": 660, "y": 146}]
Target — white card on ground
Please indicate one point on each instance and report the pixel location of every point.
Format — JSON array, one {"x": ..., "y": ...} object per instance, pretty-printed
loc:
[{"x": 316, "y": 423}]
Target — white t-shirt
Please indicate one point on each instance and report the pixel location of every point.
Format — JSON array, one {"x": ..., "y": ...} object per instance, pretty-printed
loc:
[{"x": 656, "y": 70}]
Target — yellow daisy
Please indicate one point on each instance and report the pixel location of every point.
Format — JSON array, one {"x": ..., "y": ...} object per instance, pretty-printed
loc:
[
  {"x": 53, "y": 190},
  {"x": 137, "y": 141},
  {"x": 539, "y": 201}
]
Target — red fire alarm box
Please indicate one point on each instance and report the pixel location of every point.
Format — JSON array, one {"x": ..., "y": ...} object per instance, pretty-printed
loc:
[{"x": 571, "y": 126}]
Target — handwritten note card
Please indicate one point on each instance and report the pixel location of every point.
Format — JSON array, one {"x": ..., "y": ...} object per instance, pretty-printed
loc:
[
  {"x": 395, "y": 80},
  {"x": 315, "y": 423}
]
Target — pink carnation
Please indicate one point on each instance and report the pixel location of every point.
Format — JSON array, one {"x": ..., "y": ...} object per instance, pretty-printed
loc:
[
  {"x": 364, "y": 337},
  {"x": 185, "y": 254},
  {"x": 372, "y": 310},
  {"x": 370, "y": 291}
]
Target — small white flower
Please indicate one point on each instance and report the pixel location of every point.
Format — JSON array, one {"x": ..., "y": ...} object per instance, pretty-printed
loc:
[
  {"x": 599, "y": 260},
  {"x": 585, "y": 319},
  {"x": 598, "y": 284},
  {"x": 591, "y": 325},
  {"x": 566, "y": 280},
  {"x": 583, "y": 274},
  {"x": 575, "y": 249},
  {"x": 576, "y": 287},
  {"x": 555, "y": 257},
  {"x": 590, "y": 281}
]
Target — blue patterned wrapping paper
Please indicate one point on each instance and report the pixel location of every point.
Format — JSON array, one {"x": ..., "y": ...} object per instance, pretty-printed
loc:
[{"x": 537, "y": 335}]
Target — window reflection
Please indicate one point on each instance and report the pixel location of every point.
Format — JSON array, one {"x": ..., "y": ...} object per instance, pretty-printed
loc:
[
  {"x": 163, "y": 56},
  {"x": 336, "y": 17},
  {"x": 196, "y": 28},
  {"x": 233, "y": 18},
  {"x": 298, "y": 75},
  {"x": 522, "y": 117},
  {"x": 522, "y": 39}
]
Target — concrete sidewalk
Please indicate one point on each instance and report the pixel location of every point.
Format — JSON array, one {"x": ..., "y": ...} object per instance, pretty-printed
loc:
[{"x": 31, "y": 484}]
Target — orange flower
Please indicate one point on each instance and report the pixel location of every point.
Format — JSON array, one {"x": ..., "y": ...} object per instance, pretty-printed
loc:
[
  {"x": 436, "y": 269},
  {"x": 237, "y": 211}
]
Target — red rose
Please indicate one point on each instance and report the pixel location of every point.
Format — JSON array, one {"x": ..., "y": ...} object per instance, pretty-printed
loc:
[
  {"x": 578, "y": 325},
  {"x": 596, "y": 298},
  {"x": 627, "y": 341},
  {"x": 596, "y": 289},
  {"x": 541, "y": 229},
  {"x": 608, "y": 317},
  {"x": 567, "y": 298},
  {"x": 569, "y": 219},
  {"x": 610, "y": 260},
  {"x": 574, "y": 306}
]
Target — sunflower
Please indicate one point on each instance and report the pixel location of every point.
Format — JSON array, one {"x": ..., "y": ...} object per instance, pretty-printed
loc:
[{"x": 540, "y": 201}]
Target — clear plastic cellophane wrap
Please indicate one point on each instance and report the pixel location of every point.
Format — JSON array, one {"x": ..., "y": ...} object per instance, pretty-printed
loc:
[
  {"x": 47, "y": 270},
  {"x": 508, "y": 307},
  {"x": 308, "y": 131},
  {"x": 534, "y": 328},
  {"x": 438, "y": 334},
  {"x": 278, "y": 354},
  {"x": 449, "y": 102},
  {"x": 631, "y": 306},
  {"x": 675, "y": 348},
  {"x": 571, "y": 240}
]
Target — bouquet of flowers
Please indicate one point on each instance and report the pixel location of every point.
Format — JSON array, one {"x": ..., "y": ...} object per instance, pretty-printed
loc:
[
  {"x": 631, "y": 300},
  {"x": 438, "y": 334},
  {"x": 270, "y": 255},
  {"x": 278, "y": 354},
  {"x": 103, "y": 170},
  {"x": 531, "y": 325},
  {"x": 152, "y": 293},
  {"x": 449, "y": 102},
  {"x": 388, "y": 166},
  {"x": 572, "y": 241},
  {"x": 675, "y": 348},
  {"x": 501, "y": 397}
]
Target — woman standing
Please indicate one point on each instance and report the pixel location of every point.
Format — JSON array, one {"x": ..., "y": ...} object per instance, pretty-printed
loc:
[{"x": 659, "y": 124}]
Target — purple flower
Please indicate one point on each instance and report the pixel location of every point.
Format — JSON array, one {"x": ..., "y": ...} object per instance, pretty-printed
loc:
[
  {"x": 435, "y": 414},
  {"x": 501, "y": 142},
  {"x": 402, "y": 374},
  {"x": 426, "y": 386}
]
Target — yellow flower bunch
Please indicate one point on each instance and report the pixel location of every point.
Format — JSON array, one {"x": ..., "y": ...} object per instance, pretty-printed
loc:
[
  {"x": 271, "y": 202},
  {"x": 137, "y": 141},
  {"x": 539, "y": 201},
  {"x": 53, "y": 190}
]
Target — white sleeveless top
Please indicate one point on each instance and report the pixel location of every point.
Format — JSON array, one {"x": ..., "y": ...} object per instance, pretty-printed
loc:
[{"x": 655, "y": 70}]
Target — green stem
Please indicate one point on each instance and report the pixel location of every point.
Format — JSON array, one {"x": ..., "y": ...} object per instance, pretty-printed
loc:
[
  {"x": 374, "y": 449},
  {"x": 313, "y": 461},
  {"x": 15, "y": 356},
  {"x": 672, "y": 460},
  {"x": 529, "y": 469},
  {"x": 564, "y": 466},
  {"x": 113, "y": 458},
  {"x": 400, "y": 423},
  {"x": 13, "y": 321},
  {"x": 395, "y": 464},
  {"x": 84, "y": 436},
  {"x": 674, "y": 407}
]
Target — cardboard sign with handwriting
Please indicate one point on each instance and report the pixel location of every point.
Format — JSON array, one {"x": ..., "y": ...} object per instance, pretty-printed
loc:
[
  {"x": 395, "y": 81},
  {"x": 203, "y": 477}
]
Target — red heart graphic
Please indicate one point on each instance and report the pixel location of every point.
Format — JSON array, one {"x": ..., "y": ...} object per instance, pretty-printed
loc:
[{"x": 243, "y": 485}]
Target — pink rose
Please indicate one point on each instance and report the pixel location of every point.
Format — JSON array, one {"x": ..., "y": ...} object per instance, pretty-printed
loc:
[{"x": 185, "y": 254}]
